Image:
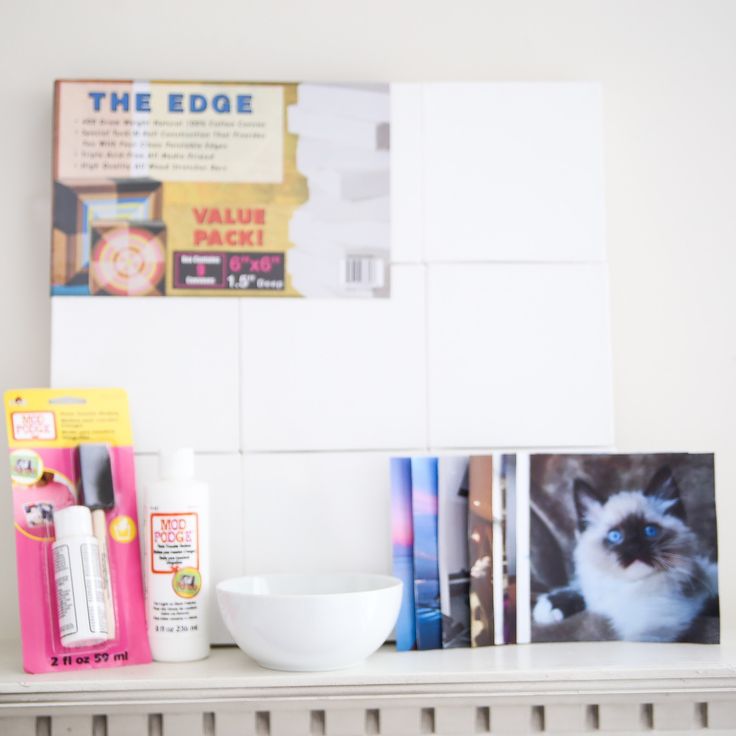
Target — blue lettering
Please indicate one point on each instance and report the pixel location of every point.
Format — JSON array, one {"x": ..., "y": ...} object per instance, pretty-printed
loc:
[
  {"x": 197, "y": 103},
  {"x": 97, "y": 98},
  {"x": 244, "y": 103},
  {"x": 119, "y": 100},
  {"x": 221, "y": 103},
  {"x": 176, "y": 103}
]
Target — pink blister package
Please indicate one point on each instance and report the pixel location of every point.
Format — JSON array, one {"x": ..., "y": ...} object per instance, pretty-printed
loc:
[{"x": 76, "y": 528}]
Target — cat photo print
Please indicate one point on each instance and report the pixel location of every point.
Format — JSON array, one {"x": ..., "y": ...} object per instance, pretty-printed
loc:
[{"x": 624, "y": 547}]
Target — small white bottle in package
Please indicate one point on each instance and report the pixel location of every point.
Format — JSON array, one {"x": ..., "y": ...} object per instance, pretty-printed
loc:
[
  {"x": 80, "y": 596},
  {"x": 176, "y": 553}
]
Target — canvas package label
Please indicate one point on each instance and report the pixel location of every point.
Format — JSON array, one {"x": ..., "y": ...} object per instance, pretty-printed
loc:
[{"x": 185, "y": 188}]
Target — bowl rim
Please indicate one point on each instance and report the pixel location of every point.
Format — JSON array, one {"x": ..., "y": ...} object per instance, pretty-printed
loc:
[{"x": 390, "y": 582}]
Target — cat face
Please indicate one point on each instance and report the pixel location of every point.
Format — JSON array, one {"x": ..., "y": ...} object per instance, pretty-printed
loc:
[
  {"x": 633, "y": 534},
  {"x": 38, "y": 514}
]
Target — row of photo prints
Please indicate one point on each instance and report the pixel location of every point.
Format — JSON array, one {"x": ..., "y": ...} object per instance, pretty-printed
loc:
[{"x": 516, "y": 548}]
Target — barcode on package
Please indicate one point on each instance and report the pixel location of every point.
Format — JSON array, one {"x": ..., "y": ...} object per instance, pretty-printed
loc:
[{"x": 362, "y": 272}]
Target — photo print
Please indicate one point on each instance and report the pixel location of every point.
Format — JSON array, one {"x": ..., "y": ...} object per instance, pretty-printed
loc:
[{"x": 624, "y": 547}]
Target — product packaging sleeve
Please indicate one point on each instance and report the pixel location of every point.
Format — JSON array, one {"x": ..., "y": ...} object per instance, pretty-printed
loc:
[{"x": 46, "y": 428}]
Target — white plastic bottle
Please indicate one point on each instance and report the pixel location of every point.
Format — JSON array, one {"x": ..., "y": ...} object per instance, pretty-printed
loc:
[
  {"x": 80, "y": 598},
  {"x": 176, "y": 553}
]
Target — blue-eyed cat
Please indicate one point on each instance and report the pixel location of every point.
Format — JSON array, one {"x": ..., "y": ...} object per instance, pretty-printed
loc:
[{"x": 637, "y": 563}]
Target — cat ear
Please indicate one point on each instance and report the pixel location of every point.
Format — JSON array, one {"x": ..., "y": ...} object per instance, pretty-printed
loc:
[
  {"x": 664, "y": 486},
  {"x": 586, "y": 502}
]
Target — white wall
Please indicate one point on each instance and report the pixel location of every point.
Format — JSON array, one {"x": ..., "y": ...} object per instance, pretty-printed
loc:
[{"x": 668, "y": 70}]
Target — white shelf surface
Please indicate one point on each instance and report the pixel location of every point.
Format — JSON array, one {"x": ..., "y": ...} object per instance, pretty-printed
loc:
[{"x": 527, "y": 670}]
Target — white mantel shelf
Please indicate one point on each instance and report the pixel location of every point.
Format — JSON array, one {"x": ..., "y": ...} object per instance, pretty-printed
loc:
[
  {"x": 533, "y": 670},
  {"x": 549, "y": 688}
]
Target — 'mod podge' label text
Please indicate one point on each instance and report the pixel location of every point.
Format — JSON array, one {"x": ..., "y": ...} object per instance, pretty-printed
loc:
[{"x": 174, "y": 542}]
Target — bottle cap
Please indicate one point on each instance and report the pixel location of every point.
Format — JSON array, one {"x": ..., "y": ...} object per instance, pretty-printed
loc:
[
  {"x": 73, "y": 521},
  {"x": 176, "y": 464}
]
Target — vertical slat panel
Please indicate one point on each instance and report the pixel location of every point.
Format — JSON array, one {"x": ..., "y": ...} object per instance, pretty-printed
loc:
[
  {"x": 621, "y": 716},
  {"x": 234, "y": 723},
  {"x": 675, "y": 716},
  {"x": 508, "y": 719},
  {"x": 127, "y": 724},
  {"x": 400, "y": 721},
  {"x": 722, "y": 714},
  {"x": 71, "y": 726},
  {"x": 345, "y": 722},
  {"x": 18, "y": 726},
  {"x": 566, "y": 718},
  {"x": 455, "y": 720},
  {"x": 183, "y": 724},
  {"x": 290, "y": 723}
]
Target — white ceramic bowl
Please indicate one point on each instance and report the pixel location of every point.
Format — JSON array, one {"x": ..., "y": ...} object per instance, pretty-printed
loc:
[{"x": 309, "y": 622}]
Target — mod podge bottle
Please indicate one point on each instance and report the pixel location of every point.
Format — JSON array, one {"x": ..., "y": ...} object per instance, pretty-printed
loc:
[
  {"x": 176, "y": 521},
  {"x": 79, "y": 590}
]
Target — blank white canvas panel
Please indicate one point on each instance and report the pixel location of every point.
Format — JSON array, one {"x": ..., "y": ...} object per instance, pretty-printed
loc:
[
  {"x": 316, "y": 512},
  {"x": 513, "y": 172},
  {"x": 335, "y": 375},
  {"x": 519, "y": 355},
  {"x": 223, "y": 475},
  {"x": 176, "y": 357}
]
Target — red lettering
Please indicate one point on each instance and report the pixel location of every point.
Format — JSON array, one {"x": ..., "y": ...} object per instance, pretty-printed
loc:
[
  {"x": 232, "y": 238},
  {"x": 229, "y": 216},
  {"x": 173, "y": 524}
]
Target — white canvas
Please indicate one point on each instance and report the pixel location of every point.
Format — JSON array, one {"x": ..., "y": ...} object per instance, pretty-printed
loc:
[
  {"x": 313, "y": 155},
  {"x": 519, "y": 356},
  {"x": 316, "y": 512},
  {"x": 176, "y": 357},
  {"x": 513, "y": 172},
  {"x": 363, "y": 101},
  {"x": 323, "y": 208},
  {"x": 322, "y": 375},
  {"x": 223, "y": 475},
  {"x": 523, "y": 563},
  {"x": 306, "y": 227},
  {"x": 345, "y": 130},
  {"x": 351, "y": 184}
]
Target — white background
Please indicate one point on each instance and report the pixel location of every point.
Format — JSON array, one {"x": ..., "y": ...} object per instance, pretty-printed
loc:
[{"x": 668, "y": 70}]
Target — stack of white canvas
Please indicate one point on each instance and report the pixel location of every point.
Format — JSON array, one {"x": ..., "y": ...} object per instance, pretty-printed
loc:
[
  {"x": 495, "y": 333},
  {"x": 342, "y": 233}
]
